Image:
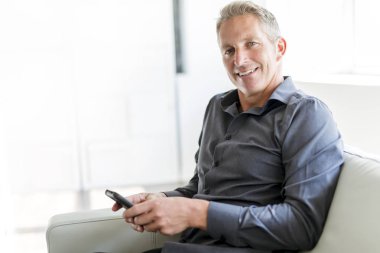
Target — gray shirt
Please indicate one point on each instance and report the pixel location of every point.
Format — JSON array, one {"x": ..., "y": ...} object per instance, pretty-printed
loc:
[{"x": 269, "y": 173}]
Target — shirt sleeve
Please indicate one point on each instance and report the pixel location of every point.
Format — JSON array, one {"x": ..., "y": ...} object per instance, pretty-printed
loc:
[
  {"x": 312, "y": 155},
  {"x": 187, "y": 191}
]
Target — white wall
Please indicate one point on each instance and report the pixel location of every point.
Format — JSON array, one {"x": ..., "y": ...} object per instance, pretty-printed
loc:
[
  {"x": 88, "y": 93},
  {"x": 6, "y": 211}
]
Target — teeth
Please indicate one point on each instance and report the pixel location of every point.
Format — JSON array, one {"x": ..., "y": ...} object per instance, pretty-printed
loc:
[{"x": 246, "y": 73}]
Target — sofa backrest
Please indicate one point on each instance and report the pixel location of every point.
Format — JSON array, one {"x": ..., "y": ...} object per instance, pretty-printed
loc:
[{"x": 353, "y": 223}]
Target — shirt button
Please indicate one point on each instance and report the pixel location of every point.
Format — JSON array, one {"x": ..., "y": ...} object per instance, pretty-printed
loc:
[
  {"x": 228, "y": 137},
  {"x": 216, "y": 164}
]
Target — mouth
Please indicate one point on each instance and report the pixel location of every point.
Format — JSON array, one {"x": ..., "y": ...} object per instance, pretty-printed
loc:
[{"x": 246, "y": 73}]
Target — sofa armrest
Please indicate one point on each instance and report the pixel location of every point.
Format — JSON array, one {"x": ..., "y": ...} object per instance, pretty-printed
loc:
[
  {"x": 99, "y": 230},
  {"x": 353, "y": 223}
]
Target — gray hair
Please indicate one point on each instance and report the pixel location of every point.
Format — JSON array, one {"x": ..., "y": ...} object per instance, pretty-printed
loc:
[{"x": 238, "y": 8}]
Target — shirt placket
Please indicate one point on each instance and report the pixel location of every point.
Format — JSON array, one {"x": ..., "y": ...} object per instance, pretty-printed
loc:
[{"x": 222, "y": 147}]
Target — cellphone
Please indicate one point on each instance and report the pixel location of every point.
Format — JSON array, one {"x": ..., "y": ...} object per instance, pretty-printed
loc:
[{"x": 119, "y": 199}]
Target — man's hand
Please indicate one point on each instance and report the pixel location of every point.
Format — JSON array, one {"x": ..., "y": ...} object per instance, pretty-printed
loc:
[
  {"x": 138, "y": 198},
  {"x": 168, "y": 216}
]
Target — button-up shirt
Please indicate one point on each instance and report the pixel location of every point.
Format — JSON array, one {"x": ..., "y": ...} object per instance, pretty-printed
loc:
[{"x": 269, "y": 173}]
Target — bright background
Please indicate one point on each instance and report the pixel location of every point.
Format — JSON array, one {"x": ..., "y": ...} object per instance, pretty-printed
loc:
[{"x": 90, "y": 98}]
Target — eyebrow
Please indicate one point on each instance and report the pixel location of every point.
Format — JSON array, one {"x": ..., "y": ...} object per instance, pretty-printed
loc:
[
  {"x": 245, "y": 39},
  {"x": 225, "y": 46}
]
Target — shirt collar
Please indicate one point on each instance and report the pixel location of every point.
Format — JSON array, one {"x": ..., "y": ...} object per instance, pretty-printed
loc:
[
  {"x": 284, "y": 91},
  {"x": 230, "y": 100}
]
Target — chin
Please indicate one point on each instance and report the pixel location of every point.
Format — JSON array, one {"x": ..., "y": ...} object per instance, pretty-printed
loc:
[{"x": 248, "y": 90}]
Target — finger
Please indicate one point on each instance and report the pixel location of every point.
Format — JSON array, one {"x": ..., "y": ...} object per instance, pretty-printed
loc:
[
  {"x": 137, "y": 210},
  {"x": 116, "y": 207},
  {"x": 152, "y": 227},
  {"x": 144, "y": 219},
  {"x": 138, "y": 198},
  {"x": 154, "y": 195},
  {"x": 137, "y": 228}
]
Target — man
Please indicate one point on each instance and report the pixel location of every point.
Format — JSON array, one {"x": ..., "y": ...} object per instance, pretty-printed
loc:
[{"x": 269, "y": 155}]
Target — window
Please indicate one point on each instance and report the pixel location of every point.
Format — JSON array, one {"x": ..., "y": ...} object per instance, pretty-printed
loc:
[
  {"x": 329, "y": 37},
  {"x": 367, "y": 37}
]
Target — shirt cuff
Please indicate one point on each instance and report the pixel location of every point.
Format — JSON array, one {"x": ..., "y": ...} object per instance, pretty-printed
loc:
[
  {"x": 223, "y": 221},
  {"x": 174, "y": 194}
]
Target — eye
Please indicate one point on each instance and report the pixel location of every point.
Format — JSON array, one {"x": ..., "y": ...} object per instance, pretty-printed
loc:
[
  {"x": 229, "y": 51},
  {"x": 252, "y": 44}
]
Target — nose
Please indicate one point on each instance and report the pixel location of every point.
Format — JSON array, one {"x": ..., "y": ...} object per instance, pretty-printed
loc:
[{"x": 241, "y": 57}]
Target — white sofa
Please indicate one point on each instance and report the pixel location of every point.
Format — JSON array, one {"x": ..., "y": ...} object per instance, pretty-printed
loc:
[{"x": 353, "y": 224}]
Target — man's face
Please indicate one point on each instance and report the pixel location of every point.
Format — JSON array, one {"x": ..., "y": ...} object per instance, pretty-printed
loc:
[{"x": 251, "y": 59}]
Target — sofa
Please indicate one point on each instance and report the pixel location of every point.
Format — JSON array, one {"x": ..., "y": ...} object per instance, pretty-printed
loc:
[{"x": 352, "y": 226}]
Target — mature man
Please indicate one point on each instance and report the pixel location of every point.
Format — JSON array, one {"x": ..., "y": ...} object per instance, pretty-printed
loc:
[{"x": 269, "y": 155}]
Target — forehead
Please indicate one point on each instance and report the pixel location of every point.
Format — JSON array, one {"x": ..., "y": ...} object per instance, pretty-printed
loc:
[{"x": 240, "y": 27}]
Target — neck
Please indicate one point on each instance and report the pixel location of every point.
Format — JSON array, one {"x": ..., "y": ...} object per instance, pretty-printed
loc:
[{"x": 258, "y": 100}]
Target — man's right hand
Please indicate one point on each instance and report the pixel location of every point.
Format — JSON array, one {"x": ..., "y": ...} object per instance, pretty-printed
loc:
[
  {"x": 168, "y": 216},
  {"x": 138, "y": 198},
  {"x": 135, "y": 199}
]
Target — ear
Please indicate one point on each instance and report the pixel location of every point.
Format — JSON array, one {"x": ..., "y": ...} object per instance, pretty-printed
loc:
[{"x": 280, "y": 48}]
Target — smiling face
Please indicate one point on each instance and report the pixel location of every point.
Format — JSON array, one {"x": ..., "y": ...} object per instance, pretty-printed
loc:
[{"x": 252, "y": 60}]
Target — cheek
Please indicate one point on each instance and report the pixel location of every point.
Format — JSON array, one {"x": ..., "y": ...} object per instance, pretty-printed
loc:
[
  {"x": 225, "y": 63},
  {"x": 228, "y": 66},
  {"x": 230, "y": 71}
]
